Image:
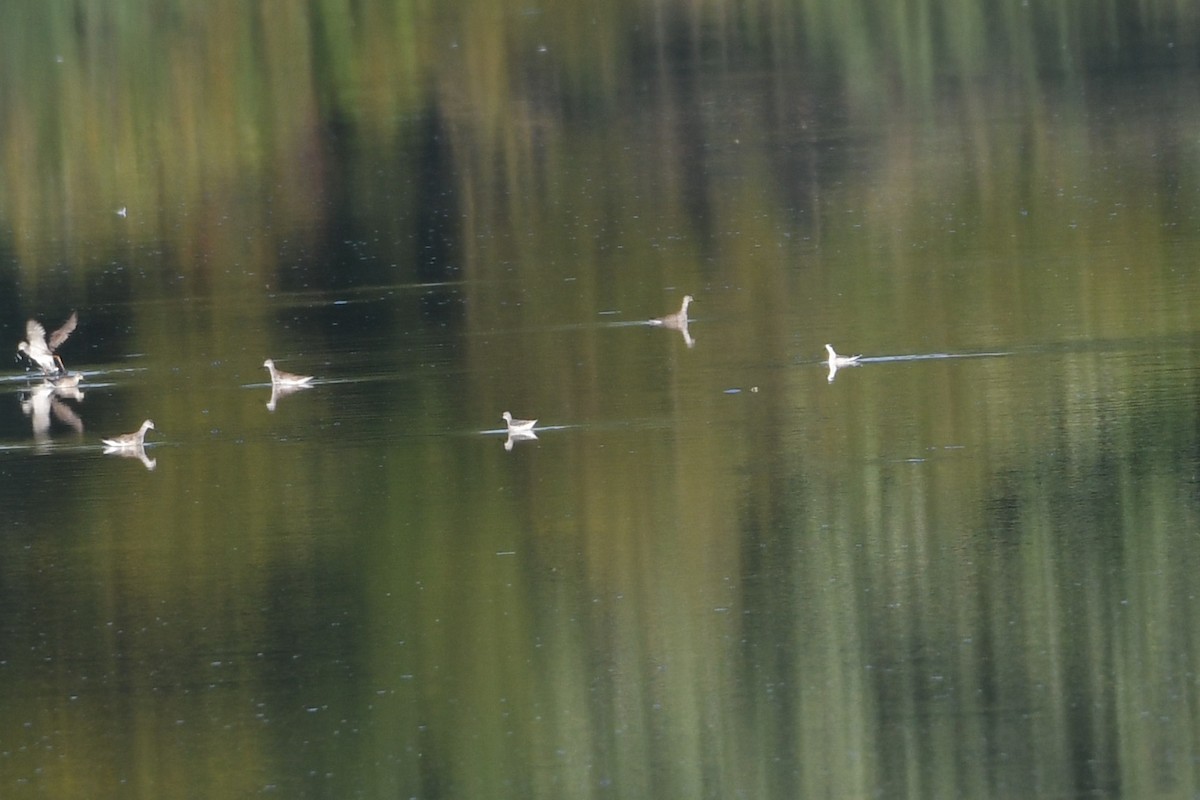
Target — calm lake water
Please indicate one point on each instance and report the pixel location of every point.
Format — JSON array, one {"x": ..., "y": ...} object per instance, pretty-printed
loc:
[{"x": 963, "y": 567}]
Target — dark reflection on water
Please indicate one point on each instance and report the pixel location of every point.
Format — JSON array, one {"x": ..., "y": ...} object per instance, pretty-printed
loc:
[{"x": 961, "y": 567}]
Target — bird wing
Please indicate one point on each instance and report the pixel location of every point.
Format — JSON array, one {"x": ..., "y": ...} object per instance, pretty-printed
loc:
[
  {"x": 66, "y": 415},
  {"x": 60, "y": 335},
  {"x": 35, "y": 334}
]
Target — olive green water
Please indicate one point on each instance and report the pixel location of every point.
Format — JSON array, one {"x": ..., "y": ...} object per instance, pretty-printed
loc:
[{"x": 962, "y": 568}]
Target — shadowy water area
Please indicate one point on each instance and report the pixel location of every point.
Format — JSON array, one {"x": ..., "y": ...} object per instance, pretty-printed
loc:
[{"x": 960, "y": 566}]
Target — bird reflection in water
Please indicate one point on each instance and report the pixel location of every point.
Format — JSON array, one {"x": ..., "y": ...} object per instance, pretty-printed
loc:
[
  {"x": 518, "y": 436},
  {"x": 282, "y": 390},
  {"x": 138, "y": 452},
  {"x": 45, "y": 401}
]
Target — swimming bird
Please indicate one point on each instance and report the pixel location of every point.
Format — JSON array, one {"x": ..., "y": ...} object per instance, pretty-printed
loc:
[
  {"x": 835, "y": 361},
  {"x": 40, "y": 350},
  {"x": 130, "y": 440},
  {"x": 518, "y": 425},
  {"x": 66, "y": 382},
  {"x": 840, "y": 361},
  {"x": 281, "y": 378},
  {"x": 678, "y": 320}
]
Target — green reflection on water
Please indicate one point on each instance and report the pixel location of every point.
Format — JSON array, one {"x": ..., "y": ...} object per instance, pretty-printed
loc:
[{"x": 929, "y": 578}]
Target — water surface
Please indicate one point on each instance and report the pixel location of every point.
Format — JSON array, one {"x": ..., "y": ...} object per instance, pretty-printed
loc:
[{"x": 961, "y": 568}]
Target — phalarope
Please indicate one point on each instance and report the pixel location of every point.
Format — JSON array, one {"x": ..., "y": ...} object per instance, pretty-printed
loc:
[
  {"x": 678, "y": 320},
  {"x": 130, "y": 440},
  {"x": 40, "y": 350},
  {"x": 840, "y": 361},
  {"x": 281, "y": 378},
  {"x": 518, "y": 425}
]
